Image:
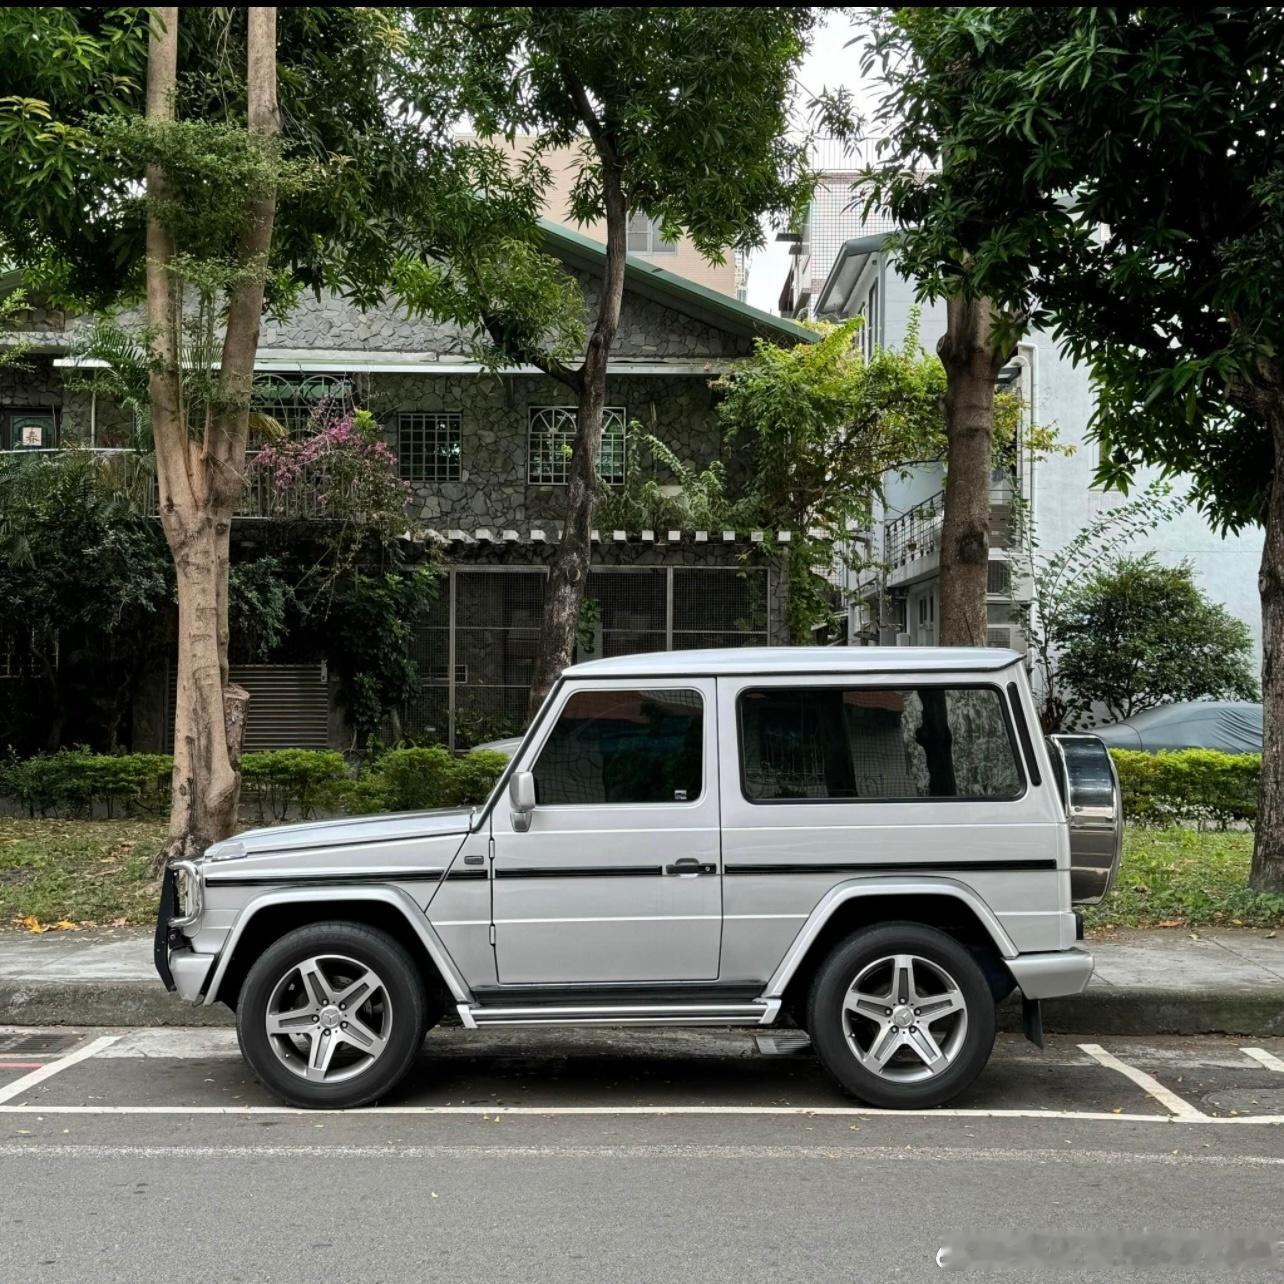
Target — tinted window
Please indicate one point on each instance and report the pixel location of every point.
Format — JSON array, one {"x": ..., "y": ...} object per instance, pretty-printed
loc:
[
  {"x": 624, "y": 747},
  {"x": 869, "y": 742}
]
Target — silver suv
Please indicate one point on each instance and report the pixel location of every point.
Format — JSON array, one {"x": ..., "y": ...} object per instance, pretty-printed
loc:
[{"x": 872, "y": 844}]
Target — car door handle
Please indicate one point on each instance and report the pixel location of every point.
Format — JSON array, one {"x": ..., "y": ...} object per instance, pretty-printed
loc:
[{"x": 689, "y": 867}]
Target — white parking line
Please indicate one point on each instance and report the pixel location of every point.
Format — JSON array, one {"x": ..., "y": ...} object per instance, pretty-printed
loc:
[
  {"x": 19, "y": 1087},
  {"x": 1179, "y": 1108},
  {"x": 805, "y": 1112},
  {"x": 1262, "y": 1057}
]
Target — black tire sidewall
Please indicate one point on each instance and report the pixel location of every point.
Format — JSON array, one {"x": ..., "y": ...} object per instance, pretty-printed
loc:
[
  {"x": 405, "y": 991},
  {"x": 826, "y": 1022}
]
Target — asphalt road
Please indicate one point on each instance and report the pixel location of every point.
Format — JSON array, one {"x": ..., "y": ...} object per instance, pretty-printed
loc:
[{"x": 648, "y": 1156}]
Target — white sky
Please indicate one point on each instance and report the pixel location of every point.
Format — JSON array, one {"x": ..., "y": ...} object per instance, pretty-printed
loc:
[{"x": 829, "y": 65}]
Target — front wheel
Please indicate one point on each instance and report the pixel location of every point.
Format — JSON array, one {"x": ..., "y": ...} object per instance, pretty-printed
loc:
[
  {"x": 902, "y": 1016},
  {"x": 331, "y": 1015}
]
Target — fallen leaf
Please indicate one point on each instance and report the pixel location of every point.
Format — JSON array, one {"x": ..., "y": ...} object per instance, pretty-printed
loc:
[{"x": 1169, "y": 922}]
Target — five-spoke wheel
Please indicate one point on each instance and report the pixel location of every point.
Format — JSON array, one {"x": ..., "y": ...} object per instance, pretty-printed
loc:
[
  {"x": 331, "y": 1015},
  {"x": 902, "y": 1016}
]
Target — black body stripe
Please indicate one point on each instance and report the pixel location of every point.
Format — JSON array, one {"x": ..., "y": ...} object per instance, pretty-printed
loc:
[
  {"x": 503, "y": 996},
  {"x": 419, "y": 875},
  {"x": 584, "y": 871},
  {"x": 900, "y": 867},
  {"x": 466, "y": 875}
]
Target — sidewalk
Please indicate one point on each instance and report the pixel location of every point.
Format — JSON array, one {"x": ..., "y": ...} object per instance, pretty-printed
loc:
[{"x": 1146, "y": 983}]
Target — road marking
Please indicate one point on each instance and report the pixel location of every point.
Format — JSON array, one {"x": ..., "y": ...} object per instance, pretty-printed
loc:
[
  {"x": 20, "y": 1086},
  {"x": 805, "y": 1112},
  {"x": 855, "y": 1152},
  {"x": 1170, "y": 1101},
  {"x": 1262, "y": 1057}
]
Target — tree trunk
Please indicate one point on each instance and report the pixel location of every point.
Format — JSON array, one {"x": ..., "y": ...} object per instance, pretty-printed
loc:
[
  {"x": 568, "y": 573},
  {"x": 1267, "y": 871},
  {"x": 971, "y": 366},
  {"x": 200, "y": 482}
]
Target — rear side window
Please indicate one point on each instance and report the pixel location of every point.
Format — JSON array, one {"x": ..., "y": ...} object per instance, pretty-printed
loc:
[
  {"x": 827, "y": 743},
  {"x": 624, "y": 747}
]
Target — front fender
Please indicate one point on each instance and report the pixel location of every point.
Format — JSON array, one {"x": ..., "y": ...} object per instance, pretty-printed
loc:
[
  {"x": 400, "y": 900},
  {"x": 854, "y": 887}
]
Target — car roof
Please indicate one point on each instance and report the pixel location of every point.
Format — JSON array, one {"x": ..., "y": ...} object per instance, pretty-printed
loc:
[{"x": 773, "y": 660}]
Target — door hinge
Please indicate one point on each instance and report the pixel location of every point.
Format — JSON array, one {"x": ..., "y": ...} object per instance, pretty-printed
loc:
[
  {"x": 492, "y": 933},
  {"x": 490, "y": 847}
]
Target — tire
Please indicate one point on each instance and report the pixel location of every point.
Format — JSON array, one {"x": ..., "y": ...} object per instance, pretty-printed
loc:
[
  {"x": 322, "y": 1052},
  {"x": 902, "y": 1055}
]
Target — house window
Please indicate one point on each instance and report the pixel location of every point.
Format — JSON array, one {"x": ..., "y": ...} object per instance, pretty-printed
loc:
[
  {"x": 34, "y": 428},
  {"x": 294, "y": 401},
  {"x": 644, "y": 237},
  {"x": 552, "y": 434},
  {"x": 428, "y": 445}
]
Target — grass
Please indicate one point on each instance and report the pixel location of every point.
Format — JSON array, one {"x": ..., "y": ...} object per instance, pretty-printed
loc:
[
  {"x": 78, "y": 872},
  {"x": 95, "y": 873},
  {"x": 1184, "y": 878}
]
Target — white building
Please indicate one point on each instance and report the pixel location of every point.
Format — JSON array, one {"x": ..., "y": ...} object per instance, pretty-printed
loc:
[{"x": 899, "y": 603}]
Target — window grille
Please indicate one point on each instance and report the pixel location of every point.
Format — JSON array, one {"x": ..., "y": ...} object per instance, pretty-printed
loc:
[
  {"x": 552, "y": 434},
  {"x": 428, "y": 446},
  {"x": 294, "y": 400}
]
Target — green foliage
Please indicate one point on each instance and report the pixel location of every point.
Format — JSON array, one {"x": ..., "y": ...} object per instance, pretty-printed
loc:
[
  {"x": 86, "y": 584},
  {"x": 260, "y": 598},
  {"x": 1137, "y": 634},
  {"x": 821, "y": 427},
  {"x": 1019, "y": 133},
  {"x": 663, "y": 492},
  {"x": 1058, "y": 575},
  {"x": 370, "y": 627},
  {"x": 77, "y": 782},
  {"x": 423, "y": 778},
  {"x": 1188, "y": 786},
  {"x": 1185, "y": 878},
  {"x": 282, "y": 782}
]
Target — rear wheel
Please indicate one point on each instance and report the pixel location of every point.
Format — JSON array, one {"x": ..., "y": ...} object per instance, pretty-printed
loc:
[
  {"x": 902, "y": 1016},
  {"x": 331, "y": 1015}
]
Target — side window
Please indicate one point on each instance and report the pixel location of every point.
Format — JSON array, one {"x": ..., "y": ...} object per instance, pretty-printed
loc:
[
  {"x": 624, "y": 747},
  {"x": 876, "y": 743}
]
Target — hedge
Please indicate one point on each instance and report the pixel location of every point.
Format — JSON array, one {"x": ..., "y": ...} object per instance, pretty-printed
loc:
[
  {"x": 1193, "y": 786},
  {"x": 278, "y": 783}
]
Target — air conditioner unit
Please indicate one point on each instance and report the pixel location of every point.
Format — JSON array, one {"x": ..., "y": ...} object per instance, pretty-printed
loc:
[{"x": 902, "y": 639}]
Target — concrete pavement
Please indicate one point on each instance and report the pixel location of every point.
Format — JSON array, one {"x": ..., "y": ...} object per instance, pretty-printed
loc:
[{"x": 1162, "y": 982}]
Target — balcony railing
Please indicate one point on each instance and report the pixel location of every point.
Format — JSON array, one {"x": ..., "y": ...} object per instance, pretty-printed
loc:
[{"x": 916, "y": 533}]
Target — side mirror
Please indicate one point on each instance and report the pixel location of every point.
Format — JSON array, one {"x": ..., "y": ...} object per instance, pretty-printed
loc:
[{"x": 521, "y": 798}]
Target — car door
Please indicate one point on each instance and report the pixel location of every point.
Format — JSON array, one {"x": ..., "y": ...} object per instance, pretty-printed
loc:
[{"x": 617, "y": 878}]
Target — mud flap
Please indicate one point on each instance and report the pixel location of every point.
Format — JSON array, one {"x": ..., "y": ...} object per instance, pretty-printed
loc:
[{"x": 1032, "y": 1020}]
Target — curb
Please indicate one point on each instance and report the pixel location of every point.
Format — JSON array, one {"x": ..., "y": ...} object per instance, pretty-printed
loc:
[{"x": 1102, "y": 1010}]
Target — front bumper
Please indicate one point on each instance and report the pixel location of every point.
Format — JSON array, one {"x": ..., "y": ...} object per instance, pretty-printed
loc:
[
  {"x": 178, "y": 965},
  {"x": 1052, "y": 975}
]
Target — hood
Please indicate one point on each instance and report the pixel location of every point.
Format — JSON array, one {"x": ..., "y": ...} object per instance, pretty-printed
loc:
[{"x": 348, "y": 832}]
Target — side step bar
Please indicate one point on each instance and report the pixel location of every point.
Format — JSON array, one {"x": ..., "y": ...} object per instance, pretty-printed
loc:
[{"x": 762, "y": 1012}]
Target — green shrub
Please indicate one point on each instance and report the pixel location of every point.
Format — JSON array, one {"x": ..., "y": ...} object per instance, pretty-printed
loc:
[
  {"x": 1200, "y": 786},
  {"x": 75, "y": 781},
  {"x": 281, "y": 780},
  {"x": 419, "y": 779}
]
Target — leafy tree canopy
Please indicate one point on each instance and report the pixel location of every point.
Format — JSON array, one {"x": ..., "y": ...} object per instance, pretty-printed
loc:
[
  {"x": 1137, "y": 634},
  {"x": 1117, "y": 173}
]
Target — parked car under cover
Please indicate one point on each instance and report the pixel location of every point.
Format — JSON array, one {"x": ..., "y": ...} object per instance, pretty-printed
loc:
[{"x": 1233, "y": 726}]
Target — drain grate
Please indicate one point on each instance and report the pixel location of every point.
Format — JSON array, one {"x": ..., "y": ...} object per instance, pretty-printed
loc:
[{"x": 38, "y": 1044}]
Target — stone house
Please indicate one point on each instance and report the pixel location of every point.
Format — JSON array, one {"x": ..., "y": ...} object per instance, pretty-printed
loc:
[{"x": 484, "y": 456}]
